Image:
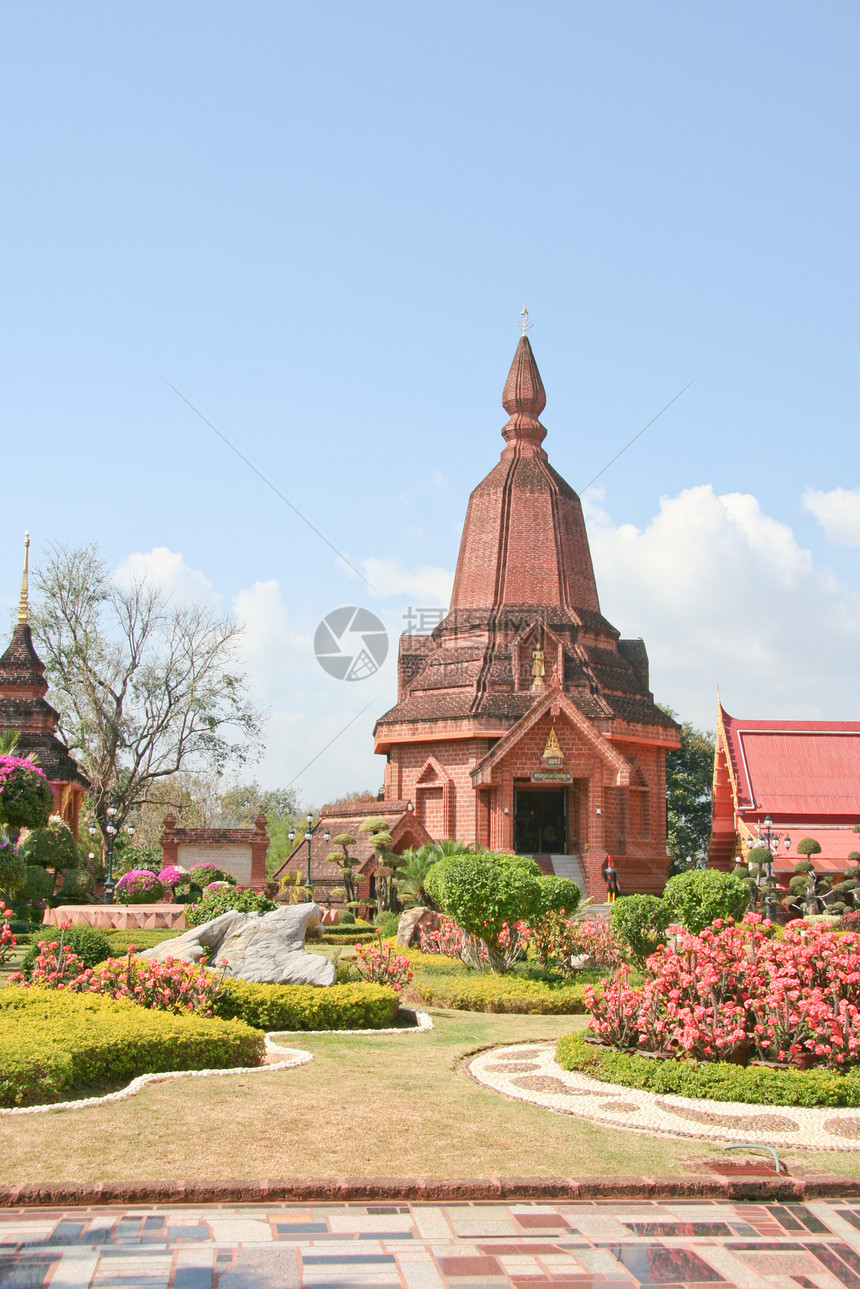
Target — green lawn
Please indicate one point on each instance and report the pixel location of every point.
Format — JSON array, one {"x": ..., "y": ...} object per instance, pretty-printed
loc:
[{"x": 389, "y": 1106}]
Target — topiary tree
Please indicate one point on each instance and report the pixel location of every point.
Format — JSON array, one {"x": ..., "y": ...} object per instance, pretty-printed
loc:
[
  {"x": 25, "y": 794},
  {"x": 808, "y": 846},
  {"x": 487, "y": 894},
  {"x": 558, "y": 895},
  {"x": 348, "y": 865},
  {"x": 50, "y": 848},
  {"x": 13, "y": 870},
  {"x": 759, "y": 879},
  {"x": 809, "y": 889},
  {"x": 697, "y": 898},
  {"x": 387, "y": 863},
  {"x": 639, "y": 923}
]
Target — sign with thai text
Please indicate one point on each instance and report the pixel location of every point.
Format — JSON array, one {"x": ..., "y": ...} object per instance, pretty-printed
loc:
[{"x": 551, "y": 776}]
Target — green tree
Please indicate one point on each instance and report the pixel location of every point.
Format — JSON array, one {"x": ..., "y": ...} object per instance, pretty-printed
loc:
[
  {"x": 145, "y": 687},
  {"x": 689, "y": 777},
  {"x": 697, "y": 898},
  {"x": 639, "y": 922},
  {"x": 487, "y": 894},
  {"x": 387, "y": 863}
]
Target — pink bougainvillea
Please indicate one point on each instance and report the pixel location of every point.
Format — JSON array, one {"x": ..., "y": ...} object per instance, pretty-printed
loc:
[
  {"x": 556, "y": 939},
  {"x": 733, "y": 992}
]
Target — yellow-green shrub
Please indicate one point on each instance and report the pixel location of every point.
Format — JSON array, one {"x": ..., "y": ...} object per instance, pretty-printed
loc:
[
  {"x": 55, "y": 1045},
  {"x": 284, "y": 1007},
  {"x": 480, "y": 991}
]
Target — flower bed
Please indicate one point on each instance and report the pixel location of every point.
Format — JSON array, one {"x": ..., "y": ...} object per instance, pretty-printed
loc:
[
  {"x": 715, "y": 1080},
  {"x": 733, "y": 992},
  {"x": 53, "y": 1043},
  {"x": 304, "y": 1007}
]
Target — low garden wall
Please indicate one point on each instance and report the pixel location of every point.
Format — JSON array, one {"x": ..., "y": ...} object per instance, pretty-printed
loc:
[{"x": 118, "y": 917}]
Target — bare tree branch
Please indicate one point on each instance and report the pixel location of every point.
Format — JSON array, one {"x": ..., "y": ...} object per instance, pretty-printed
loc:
[{"x": 145, "y": 688}]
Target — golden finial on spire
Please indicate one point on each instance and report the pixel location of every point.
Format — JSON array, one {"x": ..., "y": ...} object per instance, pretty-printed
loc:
[
  {"x": 23, "y": 615},
  {"x": 525, "y": 322}
]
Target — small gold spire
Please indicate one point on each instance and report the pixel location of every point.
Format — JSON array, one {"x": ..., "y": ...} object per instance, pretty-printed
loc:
[{"x": 23, "y": 615}]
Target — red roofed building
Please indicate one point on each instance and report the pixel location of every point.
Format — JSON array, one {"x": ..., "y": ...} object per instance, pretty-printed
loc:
[
  {"x": 524, "y": 722},
  {"x": 804, "y": 775}
]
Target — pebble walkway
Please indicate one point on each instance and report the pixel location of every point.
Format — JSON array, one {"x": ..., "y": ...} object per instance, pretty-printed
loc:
[
  {"x": 601, "y": 1245},
  {"x": 531, "y": 1073}
]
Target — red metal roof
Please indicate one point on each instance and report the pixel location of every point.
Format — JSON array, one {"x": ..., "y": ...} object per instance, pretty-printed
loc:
[{"x": 796, "y": 769}]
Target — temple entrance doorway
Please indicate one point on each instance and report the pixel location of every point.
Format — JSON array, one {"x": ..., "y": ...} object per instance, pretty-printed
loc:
[{"x": 540, "y": 821}]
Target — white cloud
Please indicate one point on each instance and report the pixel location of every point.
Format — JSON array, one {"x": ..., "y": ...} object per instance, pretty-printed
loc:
[
  {"x": 723, "y": 593},
  {"x": 838, "y": 512},
  {"x": 167, "y": 569},
  {"x": 425, "y": 585}
]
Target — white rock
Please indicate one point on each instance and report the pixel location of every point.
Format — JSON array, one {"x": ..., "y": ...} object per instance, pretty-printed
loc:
[{"x": 265, "y": 948}]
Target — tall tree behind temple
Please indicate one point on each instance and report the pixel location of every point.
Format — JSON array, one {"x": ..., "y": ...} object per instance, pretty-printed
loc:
[
  {"x": 689, "y": 777},
  {"x": 145, "y": 686}
]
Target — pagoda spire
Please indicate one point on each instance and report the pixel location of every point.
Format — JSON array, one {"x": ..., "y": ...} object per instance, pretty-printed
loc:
[
  {"x": 524, "y": 397},
  {"x": 23, "y": 603}
]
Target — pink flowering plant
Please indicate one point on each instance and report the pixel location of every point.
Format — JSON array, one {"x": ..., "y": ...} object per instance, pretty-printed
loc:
[
  {"x": 139, "y": 886},
  {"x": 173, "y": 875},
  {"x": 733, "y": 992},
  {"x": 7, "y": 939},
  {"x": 556, "y": 938},
  {"x": 159, "y": 986},
  {"x": 452, "y": 941},
  {"x": 379, "y": 964},
  {"x": 26, "y": 799}
]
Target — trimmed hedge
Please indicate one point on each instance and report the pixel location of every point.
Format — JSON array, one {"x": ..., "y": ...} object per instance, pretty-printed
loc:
[
  {"x": 716, "y": 1080},
  {"x": 479, "y": 991},
  {"x": 55, "y": 1045},
  {"x": 121, "y": 940},
  {"x": 285, "y": 1007},
  {"x": 357, "y": 936}
]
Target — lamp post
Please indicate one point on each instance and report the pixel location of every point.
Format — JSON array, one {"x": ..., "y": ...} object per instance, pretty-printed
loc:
[
  {"x": 770, "y": 838},
  {"x": 308, "y": 835},
  {"x": 111, "y": 830}
]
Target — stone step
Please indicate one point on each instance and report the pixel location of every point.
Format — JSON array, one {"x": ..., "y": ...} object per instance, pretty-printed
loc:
[{"x": 569, "y": 866}]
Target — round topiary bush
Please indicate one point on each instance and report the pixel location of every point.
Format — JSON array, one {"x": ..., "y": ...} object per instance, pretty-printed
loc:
[
  {"x": 213, "y": 903},
  {"x": 695, "y": 899},
  {"x": 13, "y": 870},
  {"x": 202, "y": 874},
  {"x": 138, "y": 887},
  {"x": 53, "y": 846},
  {"x": 25, "y": 794},
  {"x": 92, "y": 947},
  {"x": 639, "y": 923}
]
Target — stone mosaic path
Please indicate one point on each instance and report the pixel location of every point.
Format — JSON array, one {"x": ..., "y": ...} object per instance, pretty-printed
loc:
[
  {"x": 431, "y": 1246},
  {"x": 529, "y": 1072}
]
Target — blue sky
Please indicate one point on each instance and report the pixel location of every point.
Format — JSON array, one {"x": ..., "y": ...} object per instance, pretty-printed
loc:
[{"x": 320, "y": 224}]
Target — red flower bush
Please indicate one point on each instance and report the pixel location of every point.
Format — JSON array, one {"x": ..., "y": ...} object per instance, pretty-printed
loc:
[
  {"x": 159, "y": 986},
  {"x": 556, "y": 939},
  {"x": 379, "y": 964},
  {"x": 453, "y": 942},
  {"x": 7, "y": 939},
  {"x": 732, "y": 992}
]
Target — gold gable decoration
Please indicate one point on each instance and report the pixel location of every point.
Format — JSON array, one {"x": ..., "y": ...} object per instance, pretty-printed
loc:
[{"x": 552, "y": 753}]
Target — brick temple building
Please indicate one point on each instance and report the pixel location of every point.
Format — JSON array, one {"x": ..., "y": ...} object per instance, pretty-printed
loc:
[
  {"x": 24, "y": 709},
  {"x": 524, "y": 722},
  {"x": 802, "y": 775}
]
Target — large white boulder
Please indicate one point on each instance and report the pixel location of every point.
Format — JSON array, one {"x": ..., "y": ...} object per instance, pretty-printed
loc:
[{"x": 267, "y": 948}]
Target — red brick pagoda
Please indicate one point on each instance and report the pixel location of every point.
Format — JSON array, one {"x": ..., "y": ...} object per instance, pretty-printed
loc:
[
  {"x": 524, "y": 722},
  {"x": 24, "y": 709}
]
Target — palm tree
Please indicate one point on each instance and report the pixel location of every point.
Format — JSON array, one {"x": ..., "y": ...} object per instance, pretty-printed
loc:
[{"x": 8, "y": 742}]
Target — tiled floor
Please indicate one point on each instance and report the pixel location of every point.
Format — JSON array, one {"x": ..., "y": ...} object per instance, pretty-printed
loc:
[{"x": 431, "y": 1246}]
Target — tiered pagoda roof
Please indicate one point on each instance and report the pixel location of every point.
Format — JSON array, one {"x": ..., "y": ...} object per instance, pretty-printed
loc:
[
  {"x": 524, "y": 566},
  {"x": 23, "y": 706}
]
